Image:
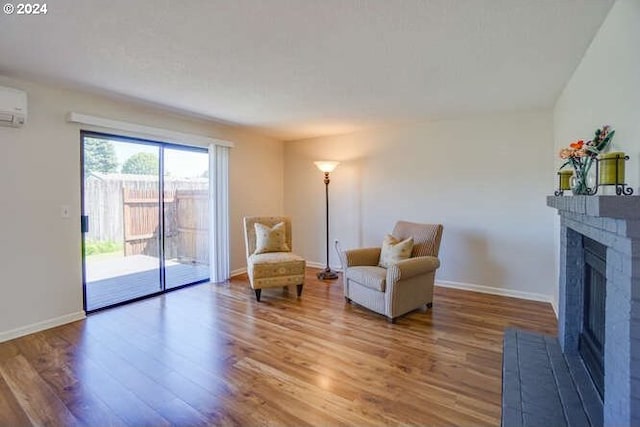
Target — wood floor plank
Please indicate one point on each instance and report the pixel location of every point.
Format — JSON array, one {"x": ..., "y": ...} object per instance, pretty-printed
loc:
[
  {"x": 53, "y": 365},
  {"x": 324, "y": 406},
  {"x": 166, "y": 376},
  {"x": 11, "y": 413},
  {"x": 99, "y": 382},
  {"x": 226, "y": 399},
  {"x": 39, "y": 402},
  {"x": 211, "y": 355}
]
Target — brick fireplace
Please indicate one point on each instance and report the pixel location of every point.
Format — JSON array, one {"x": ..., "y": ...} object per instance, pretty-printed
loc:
[{"x": 614, "y": 223}]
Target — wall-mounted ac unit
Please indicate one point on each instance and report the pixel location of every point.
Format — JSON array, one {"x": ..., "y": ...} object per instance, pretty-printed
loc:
[{"x": 13, "y": 107}]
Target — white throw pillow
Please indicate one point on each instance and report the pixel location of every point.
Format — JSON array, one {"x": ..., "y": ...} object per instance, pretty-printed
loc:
[
  {"x": 394, "y": 250},
  {"x": 271, "y": 239}
]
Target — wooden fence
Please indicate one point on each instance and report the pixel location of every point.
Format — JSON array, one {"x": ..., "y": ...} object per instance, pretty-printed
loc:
[
  {"x": 192, "y": 225},
  {"x": 124, "y": 209},
  {"x": 141, "y": 222},
  {"x": 186, "y": 224}
]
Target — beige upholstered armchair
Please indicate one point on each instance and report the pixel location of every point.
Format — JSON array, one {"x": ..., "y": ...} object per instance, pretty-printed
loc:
[
  {"x": 270, "y": 262},
  {"x": 402, "y": 287}
]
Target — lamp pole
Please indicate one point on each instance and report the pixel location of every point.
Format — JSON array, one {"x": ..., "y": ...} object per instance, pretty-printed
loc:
[{"x": 327, "y": 167}]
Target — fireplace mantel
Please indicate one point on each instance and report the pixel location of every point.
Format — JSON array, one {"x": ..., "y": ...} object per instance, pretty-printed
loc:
[
  {"x": 614, "y": 207},
  {"x": 613, "y": 221}
]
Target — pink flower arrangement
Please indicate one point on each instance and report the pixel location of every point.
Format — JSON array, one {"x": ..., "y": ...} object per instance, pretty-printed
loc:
[
  {"x": 580, "y": 155},
  {"x": 576, "y": 149}
]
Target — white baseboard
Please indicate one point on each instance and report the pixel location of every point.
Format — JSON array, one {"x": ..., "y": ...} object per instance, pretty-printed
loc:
[
  {"x": 554, "y": 304},
  {"x": 314, "y": 264},
  {"x": 238, "y": 272},
  {"x": 532, "y": 296},
  {"x": 40, "y": 326}
]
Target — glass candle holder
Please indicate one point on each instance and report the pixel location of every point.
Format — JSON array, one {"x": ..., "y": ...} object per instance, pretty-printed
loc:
[
  {"x": 611, "y": 168},
  {"x": 565, "y": 179}
]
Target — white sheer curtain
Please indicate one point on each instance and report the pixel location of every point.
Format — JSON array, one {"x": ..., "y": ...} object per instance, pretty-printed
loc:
[{"x": 219, "y": 212}]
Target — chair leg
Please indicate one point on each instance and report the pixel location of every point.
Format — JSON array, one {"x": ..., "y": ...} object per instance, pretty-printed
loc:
[
  {"x": 258, "y": 292},
  {"x": 391, "y": 320},
  {"x": 299, "y": 289},
  {"x": 429, "y": 305}
]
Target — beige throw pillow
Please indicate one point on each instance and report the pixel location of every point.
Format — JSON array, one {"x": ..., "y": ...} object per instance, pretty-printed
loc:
[
  {"x": 394, "y": 250},
  {"x": 271, "y": 239}
]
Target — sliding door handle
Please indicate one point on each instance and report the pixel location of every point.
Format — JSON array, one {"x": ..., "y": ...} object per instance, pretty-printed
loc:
[{"x": 84, "y": 223}]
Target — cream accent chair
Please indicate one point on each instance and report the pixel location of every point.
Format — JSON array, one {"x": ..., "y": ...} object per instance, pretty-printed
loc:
[
  {"x": 272, "y": 269},
  {"x": 404, "y": 286}
]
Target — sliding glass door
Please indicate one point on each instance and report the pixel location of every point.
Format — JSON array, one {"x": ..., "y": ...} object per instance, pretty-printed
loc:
[
  {"x": 136, "y": 242},
  {"x": 186, "y": 216}
]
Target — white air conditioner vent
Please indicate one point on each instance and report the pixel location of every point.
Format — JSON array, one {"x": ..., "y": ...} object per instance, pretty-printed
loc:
[{"x": 13, "y": 107}]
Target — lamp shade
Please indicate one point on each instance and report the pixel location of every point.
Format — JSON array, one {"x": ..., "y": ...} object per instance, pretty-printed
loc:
[{"x": 326, "y": 165}]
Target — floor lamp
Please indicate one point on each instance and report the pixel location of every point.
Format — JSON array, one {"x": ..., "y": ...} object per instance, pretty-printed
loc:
[{"x": 327, "y": 167}]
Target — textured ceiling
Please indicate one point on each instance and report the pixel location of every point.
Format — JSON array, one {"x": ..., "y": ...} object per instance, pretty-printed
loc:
[{"x": 302, "y": 68}]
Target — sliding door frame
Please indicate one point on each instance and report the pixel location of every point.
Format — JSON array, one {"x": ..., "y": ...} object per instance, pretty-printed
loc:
[{"x": 161, "y": 208}]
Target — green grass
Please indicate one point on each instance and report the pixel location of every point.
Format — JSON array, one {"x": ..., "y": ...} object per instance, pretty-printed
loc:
[{"x": 101, "y": 247}]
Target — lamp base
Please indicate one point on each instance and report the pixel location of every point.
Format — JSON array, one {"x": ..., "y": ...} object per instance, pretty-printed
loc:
[{"x": 327, "y": 274}]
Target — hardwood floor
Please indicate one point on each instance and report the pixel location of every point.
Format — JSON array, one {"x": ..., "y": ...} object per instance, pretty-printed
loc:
[{"x": 210, "y": 354}]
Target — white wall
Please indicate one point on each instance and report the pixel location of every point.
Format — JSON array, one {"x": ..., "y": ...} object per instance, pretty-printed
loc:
[
  {"x": 605, "y": 89},
  {"x": 40, "y": 259},
  {"x": 256, "y": 186},
  {"x": 484, "y": 178}
]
